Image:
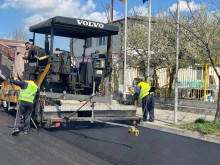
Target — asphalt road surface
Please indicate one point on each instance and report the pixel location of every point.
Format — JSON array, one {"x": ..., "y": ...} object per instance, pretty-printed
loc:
[{"x": 85, "y": 144}]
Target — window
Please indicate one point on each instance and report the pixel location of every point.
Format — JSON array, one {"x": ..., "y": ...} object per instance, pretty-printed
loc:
[
  {"x": 102, "y": 41},
  {"x": 89, "y": 42},
  {"x": 199, "y": 75}
]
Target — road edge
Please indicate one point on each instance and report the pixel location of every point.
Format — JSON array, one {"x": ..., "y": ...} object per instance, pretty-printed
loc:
[{"x": 181, "y": 132}]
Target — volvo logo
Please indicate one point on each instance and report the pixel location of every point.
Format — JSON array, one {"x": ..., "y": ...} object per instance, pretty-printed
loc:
[{"x": 91, "y": 24}]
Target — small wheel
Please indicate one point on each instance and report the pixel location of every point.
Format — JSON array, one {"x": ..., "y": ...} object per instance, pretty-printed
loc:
[
  {"x": 5, "y": 105},
  {"x": 134, "y": 122},
  {"x": 129, "y": 130}
]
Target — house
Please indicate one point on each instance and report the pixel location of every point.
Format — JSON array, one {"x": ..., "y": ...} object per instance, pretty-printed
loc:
[{"x": 11, "y": 55}]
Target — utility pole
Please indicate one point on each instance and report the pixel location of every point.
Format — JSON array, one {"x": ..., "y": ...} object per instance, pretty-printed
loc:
[
  {"x": 149, "y": 40},
  {"x": 110, "y": 53},
  {"x": 125, "y": 51},
  {"x": 177, "y": 61}
]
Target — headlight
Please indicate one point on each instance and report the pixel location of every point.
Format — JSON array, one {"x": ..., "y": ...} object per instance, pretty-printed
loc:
[
  {"x": 102, "y": 63},
  {"x": 99, "y": 72}
]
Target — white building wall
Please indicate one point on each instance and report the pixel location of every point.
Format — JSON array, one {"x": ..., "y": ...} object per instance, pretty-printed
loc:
[
  {"x": 212, "y": 72},
  {"x": 162, "y": 74},
  {"x": 131, "y": 74},
  {"x": 187, "y": 78}
]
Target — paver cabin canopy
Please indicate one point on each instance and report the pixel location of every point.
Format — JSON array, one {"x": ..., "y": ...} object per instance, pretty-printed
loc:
[{"x": 74, "y": 28}]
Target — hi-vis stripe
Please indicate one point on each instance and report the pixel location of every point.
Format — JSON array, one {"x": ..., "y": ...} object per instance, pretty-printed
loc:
[
  {"x": 41, "y": 58},
  {"x": 31, "y": 93},
  {"x": 25, "y": 97}
]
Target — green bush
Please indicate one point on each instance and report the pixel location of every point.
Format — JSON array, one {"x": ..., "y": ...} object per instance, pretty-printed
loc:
[{"x": 202, "y": 120}]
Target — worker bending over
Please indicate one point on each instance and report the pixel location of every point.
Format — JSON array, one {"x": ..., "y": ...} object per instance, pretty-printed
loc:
[
  {"x": 145, "y": 92},
  {"x": 26, "y": 99}
]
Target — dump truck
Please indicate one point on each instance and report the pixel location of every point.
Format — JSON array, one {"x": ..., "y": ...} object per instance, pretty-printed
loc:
[{"x": 69, "y": 89}]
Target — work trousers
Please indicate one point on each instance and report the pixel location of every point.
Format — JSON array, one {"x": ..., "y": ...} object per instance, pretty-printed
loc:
[
  {"x": 148, "y": 107},
  {"x": 24, "y": 113}
]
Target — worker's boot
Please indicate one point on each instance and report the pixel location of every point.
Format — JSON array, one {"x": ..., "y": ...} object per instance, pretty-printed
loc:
[
  {"x": 26, "y": 132},
  {"x": 15, "y": 132},
  {"x": 151, "y": 120},
  {"x": 144, "y": 119}
]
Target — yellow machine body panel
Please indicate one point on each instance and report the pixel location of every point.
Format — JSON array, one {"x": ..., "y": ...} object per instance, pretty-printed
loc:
[
  {"x": 7, "y": 87},
  {"x": 42, "y": 76}
]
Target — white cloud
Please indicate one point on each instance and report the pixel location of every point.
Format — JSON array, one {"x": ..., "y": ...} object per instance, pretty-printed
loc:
[
  {"x": 33, "y": 20},
  {"x": 99, "y": 17},
  {"x": 184, "y": 6},
  {"x": 43, "y": 9}
]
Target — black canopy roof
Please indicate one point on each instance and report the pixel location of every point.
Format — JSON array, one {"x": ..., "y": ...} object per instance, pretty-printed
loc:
[{"x": 74, "y": 28}]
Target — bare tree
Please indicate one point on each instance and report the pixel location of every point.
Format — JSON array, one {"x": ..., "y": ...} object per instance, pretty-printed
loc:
[
  {"x": 18, "y": 34},
  {"x": 107, "y": 9}
]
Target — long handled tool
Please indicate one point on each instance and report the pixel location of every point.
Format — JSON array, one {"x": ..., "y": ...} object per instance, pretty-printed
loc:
[{"x": 35, "y": 125}]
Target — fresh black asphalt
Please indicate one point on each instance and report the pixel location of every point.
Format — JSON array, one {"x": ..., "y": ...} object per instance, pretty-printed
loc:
[{"x": 87, "y": 143}]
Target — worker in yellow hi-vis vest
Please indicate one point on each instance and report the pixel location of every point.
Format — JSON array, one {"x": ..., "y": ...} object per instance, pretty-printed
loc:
[
  {"x": 26, "y": 101},
  {"x": 144, "y": 92}
]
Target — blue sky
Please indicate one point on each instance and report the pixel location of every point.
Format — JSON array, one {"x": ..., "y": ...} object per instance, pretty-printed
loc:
[{"x": 16, "y": 14}]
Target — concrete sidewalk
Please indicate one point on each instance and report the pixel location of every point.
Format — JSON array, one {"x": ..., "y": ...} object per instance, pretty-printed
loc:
[{"x": 163, "y": 119}]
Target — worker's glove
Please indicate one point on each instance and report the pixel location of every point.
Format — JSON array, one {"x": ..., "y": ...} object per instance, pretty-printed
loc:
[
  {"x": 10, "y": 78},
  {"x": 152, "y": 89}
]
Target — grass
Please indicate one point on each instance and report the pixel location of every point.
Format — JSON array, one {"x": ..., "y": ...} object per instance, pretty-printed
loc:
[{"x": 202, "y": 126}]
